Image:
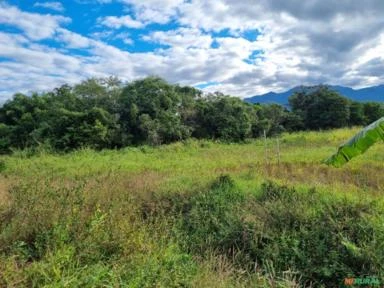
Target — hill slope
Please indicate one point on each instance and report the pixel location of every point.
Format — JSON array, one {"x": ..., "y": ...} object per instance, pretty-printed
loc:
[{"x": 375, "y": 93}]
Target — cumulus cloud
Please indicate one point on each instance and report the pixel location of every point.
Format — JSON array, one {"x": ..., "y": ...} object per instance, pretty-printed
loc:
[
  {"x": 295, "y": 43},
  {"x": 155, "y": 11},
  {"x": 145, "y": 12},
  {"x": 118, "y": 22},
  {"x": 302, "y": 42},
  {"x": 35, "y": 26},
  {"x": 56, "y": 6},
  {"x": 182, "y": 37},
  {"x": 72, "y": 40}
]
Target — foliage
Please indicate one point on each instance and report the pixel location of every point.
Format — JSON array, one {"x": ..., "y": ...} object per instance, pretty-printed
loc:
[
  {"x": 195, "y": 213},
  {"x": 223, "y": 117},
  {"x": 149, "y": 112},
  {"x": 221, "y": 229},
  {"x": 321, "y": 108},
  {"x": 372, "y": 112},
  {"x": 277, "y": 119},
  {"x": 102, "y": 113},
  {"x": 325, "y": 242},
  {"x": 357, "y": 115},
  {"x": 60, "y": 120},
  {"x": 277, "y": 231},
  {"x": 358, "y": 144}
]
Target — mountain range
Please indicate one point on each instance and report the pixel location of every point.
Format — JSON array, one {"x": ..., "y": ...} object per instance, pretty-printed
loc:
[{"x": 374, "y": 93}]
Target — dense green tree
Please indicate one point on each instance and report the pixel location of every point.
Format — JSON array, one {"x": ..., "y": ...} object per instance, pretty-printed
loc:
[
  {"x": 150, "y": 112},
  {"x": 75, "y": 129},
  {"x": 224, "y": 117},
  {"x": 102, "y": 113},
  {"x": 21, "y": 116},
  {"x": 356, "y": 116},
  {"x": 373, "y": 111},
  {"x": 5, "y": 135},
  {"x": 60, "y": 119},
  {"x": 99, "y": 92},
  {"x": 275, "y": 119},
  {"x": 187, "y": 108},
  {"x": 321, "y": 108},
  {"x": 292, "y": 122},
  {"x": 273, "y": 116}
]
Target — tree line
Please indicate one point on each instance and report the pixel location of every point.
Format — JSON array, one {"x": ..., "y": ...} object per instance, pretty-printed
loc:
[{"x": 106, "y": 113}]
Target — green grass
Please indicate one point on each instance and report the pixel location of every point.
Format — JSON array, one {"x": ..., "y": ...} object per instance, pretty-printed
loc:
[{"x": 193, "y": 214}]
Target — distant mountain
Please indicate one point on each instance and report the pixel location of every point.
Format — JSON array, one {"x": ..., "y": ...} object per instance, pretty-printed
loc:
[{"x": 375, "y": 93}]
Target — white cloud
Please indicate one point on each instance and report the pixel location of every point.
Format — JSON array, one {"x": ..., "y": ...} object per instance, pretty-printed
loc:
[
  {"x": 56, "y": 6},
  {"x": 125, "y": 37},
  {"x": 154, "y": 11},
  {"x": 105, "y": 34},
  {"x": 182, "y": 37},
  {"x": 35, "y": 26},
  {"x": 32, "y": 67},
  {"x": 118, "y": 22},
  {"x": 300, "y": 42},
  {"x": 72, "y": 40}
]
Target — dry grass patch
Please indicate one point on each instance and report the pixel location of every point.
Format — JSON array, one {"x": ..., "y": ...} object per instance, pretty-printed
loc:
[
  {"x": 4, "y": 190},
  {"x": 366, "y": 177}
]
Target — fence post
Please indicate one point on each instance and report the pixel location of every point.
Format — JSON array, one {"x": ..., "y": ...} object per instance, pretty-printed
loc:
[
  {"x": 278, "y": 150},
  {"x": 265, "y": 148}
]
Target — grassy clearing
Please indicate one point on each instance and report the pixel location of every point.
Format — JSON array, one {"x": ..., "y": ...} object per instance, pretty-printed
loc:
[{"x": 193, "y": 214}]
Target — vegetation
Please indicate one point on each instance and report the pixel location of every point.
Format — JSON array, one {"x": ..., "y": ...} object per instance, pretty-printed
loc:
[
  {"x": 321, "y": 108},
  {"x": 214, "y": 206},
  {"x": 105, "y": 113},
  {"x": 359, "y": 144},
  {"x": 195, "y": 213}
]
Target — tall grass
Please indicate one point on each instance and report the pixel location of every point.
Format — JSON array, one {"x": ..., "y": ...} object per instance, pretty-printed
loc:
[{"x": 192, "y": 214}]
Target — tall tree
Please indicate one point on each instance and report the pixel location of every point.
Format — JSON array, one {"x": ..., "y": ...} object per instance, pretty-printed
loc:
[
  {"x": 321, "y": 108},
  {"x": 373, "y": 111},
  {"x": 357, "y": 116},
  {"x": 224, "y": 117},
  {"x": 151, "y": 107}
]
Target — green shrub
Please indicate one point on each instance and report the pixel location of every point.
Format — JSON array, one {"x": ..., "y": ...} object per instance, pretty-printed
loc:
[
  {"x": 213, "y": 220},
  {"x": 319, "y": 240},
  {"x": 63, "y": 237},
  {"x": 324, "y": 243},
  {"x": 168, "y": 267}
]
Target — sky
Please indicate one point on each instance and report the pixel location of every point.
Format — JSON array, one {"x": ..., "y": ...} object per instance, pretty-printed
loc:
[{"x": 241, "y": 48}]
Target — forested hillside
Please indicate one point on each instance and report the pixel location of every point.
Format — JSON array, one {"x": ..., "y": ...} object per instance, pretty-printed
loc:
[{"x": 368, "y": 94}]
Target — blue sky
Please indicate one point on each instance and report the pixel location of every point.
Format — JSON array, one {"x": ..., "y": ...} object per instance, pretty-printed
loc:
[{"x": 241, "y": 48}]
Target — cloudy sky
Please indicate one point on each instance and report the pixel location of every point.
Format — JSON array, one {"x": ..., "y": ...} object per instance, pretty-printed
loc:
[{"x": 242, "y": 48}]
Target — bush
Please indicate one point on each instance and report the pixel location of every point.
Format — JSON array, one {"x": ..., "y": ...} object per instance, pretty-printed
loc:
[
  {"x": 321, "y": 241},
  {"x": 168, "y": 267},
  {"x": 325, "y": 242},
  {"x": 55, "y": 237},
  {"x": 213, "y": 222}
]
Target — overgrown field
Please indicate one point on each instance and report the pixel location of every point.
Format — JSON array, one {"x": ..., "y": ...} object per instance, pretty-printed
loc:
[{"x": 193, "y": 214}]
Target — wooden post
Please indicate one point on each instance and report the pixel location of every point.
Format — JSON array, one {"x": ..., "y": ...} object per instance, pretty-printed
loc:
[{"x": 265, "y": 148}]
